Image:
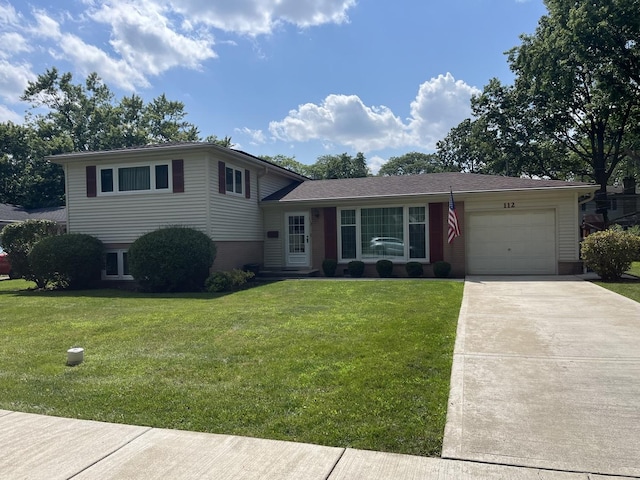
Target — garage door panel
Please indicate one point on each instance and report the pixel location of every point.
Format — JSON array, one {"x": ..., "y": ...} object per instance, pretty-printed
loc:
[{"x": 512, "y": 243}]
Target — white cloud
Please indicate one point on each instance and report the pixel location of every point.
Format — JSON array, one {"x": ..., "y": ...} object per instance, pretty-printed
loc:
[
  {"x": 375, "y": 163},
  {"x": 8, "y": 115},
  {"x": 12, "y": 44},
  {"x": 342, "y": 119},
  {"x": 258, "y": 17},
  {"x": 145, "y": 37},
  {"x": 14, "y": 79},
  {"x": 8, "y": 15},
  {"x": 441, "y": 104},
  {"x": 257, "y": 136}
]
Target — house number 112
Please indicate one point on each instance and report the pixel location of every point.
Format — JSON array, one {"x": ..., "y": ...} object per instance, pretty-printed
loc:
[{"x": 510, "y": 205}]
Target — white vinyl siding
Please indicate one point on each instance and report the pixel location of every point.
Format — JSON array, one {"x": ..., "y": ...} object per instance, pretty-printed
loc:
[
  {"x": 124, "y": 218},
  {"x": 271, "y": 183},
  {"x": 274, "y": 247},
  {"x": 234, "y": 217}
]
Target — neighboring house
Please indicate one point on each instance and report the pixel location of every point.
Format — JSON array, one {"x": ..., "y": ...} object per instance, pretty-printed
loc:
[
  {"x": 13, "y": 213},
  {"x": 257, "y": 212},
  {"x": 623, "y": 208}
]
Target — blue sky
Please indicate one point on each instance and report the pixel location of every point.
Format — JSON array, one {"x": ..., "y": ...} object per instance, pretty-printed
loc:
[{"x": 301, "y": 78}]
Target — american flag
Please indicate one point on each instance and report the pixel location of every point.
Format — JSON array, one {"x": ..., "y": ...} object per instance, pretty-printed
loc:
[{"x": 452, "y": 220}]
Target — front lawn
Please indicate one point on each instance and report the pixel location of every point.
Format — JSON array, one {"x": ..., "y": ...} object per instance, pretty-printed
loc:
[
  {"x": 362, "y": 364},
  {"x": 626, "y": 287}
]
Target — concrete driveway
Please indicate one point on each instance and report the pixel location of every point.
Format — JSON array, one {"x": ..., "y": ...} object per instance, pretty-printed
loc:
[{"x": 546, "y": 374}]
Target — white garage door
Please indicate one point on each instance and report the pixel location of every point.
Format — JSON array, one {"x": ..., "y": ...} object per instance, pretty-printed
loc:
[{"x": 511, "y": 243}]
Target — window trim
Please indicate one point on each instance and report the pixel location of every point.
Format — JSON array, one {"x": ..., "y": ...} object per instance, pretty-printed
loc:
[
  {"x": 152, "y": 173},
  {"x": 120, "y": 252},
  {"x": 405, "y": 231}
]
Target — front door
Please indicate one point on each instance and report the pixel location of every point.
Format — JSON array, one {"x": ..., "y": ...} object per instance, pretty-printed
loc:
[{"x": 298, "y": 246}]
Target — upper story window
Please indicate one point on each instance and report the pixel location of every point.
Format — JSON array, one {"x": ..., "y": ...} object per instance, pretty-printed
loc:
[
  {"x": 160, "y": 176},
  {"x": 234, "y": 180},
  {"x": 134, "y": 179}
]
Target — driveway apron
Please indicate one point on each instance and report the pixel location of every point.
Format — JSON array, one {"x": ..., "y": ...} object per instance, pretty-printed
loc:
[{"x": 546, "y": 374}]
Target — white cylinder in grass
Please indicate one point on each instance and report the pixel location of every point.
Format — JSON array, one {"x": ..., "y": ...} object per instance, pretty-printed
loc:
[{"x": 75, "y": 356}]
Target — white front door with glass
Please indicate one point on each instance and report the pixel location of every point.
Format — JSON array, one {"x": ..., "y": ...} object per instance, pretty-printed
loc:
[{"x": 298, "y": 230}]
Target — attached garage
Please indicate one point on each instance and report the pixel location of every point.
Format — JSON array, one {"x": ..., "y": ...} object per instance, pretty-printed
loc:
[{"x": 512, "y": 243}]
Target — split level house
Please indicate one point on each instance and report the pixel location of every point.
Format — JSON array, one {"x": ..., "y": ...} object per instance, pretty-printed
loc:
[{"x": 260, "y": 213}]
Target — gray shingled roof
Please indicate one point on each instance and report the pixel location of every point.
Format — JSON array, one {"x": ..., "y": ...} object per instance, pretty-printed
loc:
[
  {"x": 14, "y": 213},
  {"x": 427, "y": 184}
]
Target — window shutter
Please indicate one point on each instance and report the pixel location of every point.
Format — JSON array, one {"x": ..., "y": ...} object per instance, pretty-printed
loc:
[
  {"x": 330, "y": 233},
  {"x": 222, "y": 185},
  {"x": 92, "y": 189},
  {"x": 247, "y": 184},
  {"x": 177, "y": 171},
  {"x": 436, "y": 231}
]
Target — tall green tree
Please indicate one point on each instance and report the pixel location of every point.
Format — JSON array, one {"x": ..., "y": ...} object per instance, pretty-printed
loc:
[
  {"x": 290, "y": 163},
  {"x": 579, "y": 73},
  {"x": 574, "y": 108},
  {"x": 415, "y": 163},
  {"x": 339, "y": 166}
]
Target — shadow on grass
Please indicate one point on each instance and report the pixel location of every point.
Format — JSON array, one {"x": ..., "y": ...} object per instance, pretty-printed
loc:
[{"x": 123, "y": 292}]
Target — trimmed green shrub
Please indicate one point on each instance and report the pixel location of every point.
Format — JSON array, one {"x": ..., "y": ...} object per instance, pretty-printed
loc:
[
  {"x": 72, "y": 260},
  {"x": 384, "y": 268},
  {"x": 329, "y": 266},
  {"x": 355, "y": 268},
  {"x": 609, "y": 253},
  {"x": 172, "y": 259},
  {"x": 17, "y": 239},
  {"x": 227, "y": 281},
  {"x": 414, "y": 269},
  {"x": 441, "y": 269}
]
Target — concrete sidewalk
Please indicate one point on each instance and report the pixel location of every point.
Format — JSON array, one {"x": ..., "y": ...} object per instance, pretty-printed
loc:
[
  {"x": 51, "y": 448},
  {"x": 546, "y": 374}
]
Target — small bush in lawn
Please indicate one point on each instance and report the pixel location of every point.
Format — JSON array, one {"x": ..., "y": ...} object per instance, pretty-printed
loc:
[
  {"x": 17, "y": 239},
  {"x": 355, "y": 268},
  {"x": 414, "y": 269},
  {"x": 610, "y": 253},
  {"x": 329, "y": 266},
  {"x": 441, "y": 269},
  {"x": 172, "y": 259},
  {"x": 227, "y": 281},
  {"x": 384, "y": 268},
  {"x": 72, "y": 260}
]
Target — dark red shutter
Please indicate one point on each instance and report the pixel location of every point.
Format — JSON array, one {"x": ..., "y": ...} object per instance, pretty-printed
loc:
[
  {"x": 177, "y": 171},
  {"x": 330, "y": 233},
  {"x": 92, "y": 189},
  {"x": 222, "y": 183},
  {"x": 436, "y": 231},
  {"x": 247, "y": 184}
]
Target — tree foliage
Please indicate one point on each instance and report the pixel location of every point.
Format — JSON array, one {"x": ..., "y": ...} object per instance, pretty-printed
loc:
[
  {"x": 18, "y": 239},
  {"x": 415, "y": 163},
  {"x": 339, "y": 166},
  {"x": 290, "y": 163},
  {"x": 574, "y": 108}
]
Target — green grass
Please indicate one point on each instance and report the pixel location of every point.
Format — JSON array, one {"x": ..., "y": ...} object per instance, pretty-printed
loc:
[
  {"x": 362, "y": 364},
  {"x": 628, "y": 288},
  {"x": 635, "y": 269}
]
